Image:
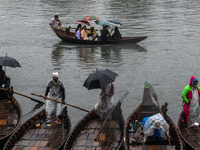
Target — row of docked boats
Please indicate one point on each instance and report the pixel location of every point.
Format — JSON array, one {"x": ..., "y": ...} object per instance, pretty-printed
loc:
[{"x": 91, "y": 132}]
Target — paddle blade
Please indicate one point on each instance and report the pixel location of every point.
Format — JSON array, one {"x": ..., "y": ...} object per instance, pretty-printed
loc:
[
  {"x": 35, "y": 100},
  {"x": 153, "y": 93}
]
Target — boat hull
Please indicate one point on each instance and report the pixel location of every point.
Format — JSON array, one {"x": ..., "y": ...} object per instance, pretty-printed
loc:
[
  {"x": 50, "y": 137},
  {"x": 70, "y": 38},
  {"x": 10, "y": 119},
  {"x": 86, "y": 130}
]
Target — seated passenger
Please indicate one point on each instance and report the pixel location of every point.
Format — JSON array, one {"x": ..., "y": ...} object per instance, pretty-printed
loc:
[
  {"x": 93, "y": 33},
  {"x": 155, "y": 126},
  {"x": 105, "y": 35},
  {"x": 84, "y": 33},
  {"x": 78, "y": 33},
  {"x": 79, "y": 25},
  {"x": 116, "y": 35}
]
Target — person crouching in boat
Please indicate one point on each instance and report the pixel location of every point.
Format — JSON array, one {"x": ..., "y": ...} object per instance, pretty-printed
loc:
[
  {"x": 56, "y": 90},
  {"x": 155, "y": 126},
  {"x": 105, "y": 99},
  {"x": 191, "y": 102},
  {"x": 56, "y": 23}
]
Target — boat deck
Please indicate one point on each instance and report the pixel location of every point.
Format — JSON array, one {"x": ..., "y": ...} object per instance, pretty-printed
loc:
[
  {"x": 8, "y": 118},
  {"x": 43, "y": 137},
  {"x": 192, "y": 135},
  {"x": 109, "y": 138}
]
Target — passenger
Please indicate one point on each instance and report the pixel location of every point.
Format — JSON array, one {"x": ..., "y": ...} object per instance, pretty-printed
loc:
[
  {"x": 79, "y": 25},
  {"x": 55, "y": 89},
  {"x": 191, "y": 102},
  {"x": 105, "y": 98},
  {"x": 78, "y": 33},
  {"x": 116, "y": 35},
  {"x": 84, "y": 33},
  {"x": 155, "y": 126},
  {"x": 92, "y": 33},
  {"x": 56, "y": 23},
  {"x": 105, "y": 35}
]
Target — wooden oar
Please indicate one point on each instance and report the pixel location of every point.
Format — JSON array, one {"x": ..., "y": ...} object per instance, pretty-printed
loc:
[
  {"x": 120, "y": 101},
  {"x": 35, "y": 100},
  {"x": 153, "y": 93},
  {"x": 59, "y": 101}
]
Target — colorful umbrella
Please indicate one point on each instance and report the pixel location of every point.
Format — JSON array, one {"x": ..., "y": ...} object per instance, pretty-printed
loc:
[
  {"x": 83, "y": 22},
  {"x": 90, "y": 17},
  {"x": 113, "y": 22},
  {"x": 102, "y": 23}
]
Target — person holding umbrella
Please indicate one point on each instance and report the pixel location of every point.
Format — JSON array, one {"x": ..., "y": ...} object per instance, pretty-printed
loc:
[
  {"x": 105, "y": 99},
  {"x": 2, "y": 76},
  {"x": 105, "y": 35}
]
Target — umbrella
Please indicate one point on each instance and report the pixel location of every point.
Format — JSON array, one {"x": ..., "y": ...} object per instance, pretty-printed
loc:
[
  {"x": 102, "y": 23},
  {"x": 9, "y": 61},
  {"x": 99, "y": 79},
  {"x": 90, "y": 17},
  {"x": 114, "y": 22},
  {"x": 82, "y": 22}
]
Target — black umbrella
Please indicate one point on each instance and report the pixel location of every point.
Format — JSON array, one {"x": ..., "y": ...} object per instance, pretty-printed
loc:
[
  {"x": 9, "y": 61},
  {"x": 99, "y": 79}
]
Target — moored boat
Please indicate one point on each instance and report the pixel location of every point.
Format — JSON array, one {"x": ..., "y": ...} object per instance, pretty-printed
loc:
[
  {"x": 133, "y": 138},
  {"x": 10, "y": 117},
  {"x": 69, "y": 37},
  {"x": 36, "y": 134},
  {"x": 85, "y": 133},
  {"x": 189, "y": 135}
]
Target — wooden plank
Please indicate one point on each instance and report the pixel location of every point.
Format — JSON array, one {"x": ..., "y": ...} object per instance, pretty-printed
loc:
[{"x": 3, "y": 121}]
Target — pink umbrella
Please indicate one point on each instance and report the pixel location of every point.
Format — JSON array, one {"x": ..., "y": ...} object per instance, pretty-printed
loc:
[{"x": 82, "y": 22}]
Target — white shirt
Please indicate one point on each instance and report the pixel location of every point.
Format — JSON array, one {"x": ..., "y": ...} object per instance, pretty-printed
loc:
[{"x": 54, "y": 23}]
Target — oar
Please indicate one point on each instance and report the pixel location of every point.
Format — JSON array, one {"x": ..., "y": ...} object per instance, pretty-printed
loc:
[
  {"x": 153, "y": 93},
  {"x": 35, "y": 100},
  {"x": 59, "y": 102},
  {"x": 120, "y": 101}
]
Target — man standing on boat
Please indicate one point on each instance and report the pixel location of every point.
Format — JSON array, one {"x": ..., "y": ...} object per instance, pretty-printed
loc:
[
  {"x": 56, "y": 23},
  {"x": 55, "y": 89},
  {"x": 191, "y": 102}
]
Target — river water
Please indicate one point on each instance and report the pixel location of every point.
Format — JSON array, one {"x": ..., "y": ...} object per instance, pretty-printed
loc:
[{"x": 166, "y": 59}]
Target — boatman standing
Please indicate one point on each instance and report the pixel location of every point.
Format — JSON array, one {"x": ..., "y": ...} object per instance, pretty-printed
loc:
[
  {"x": 191, "y": 102},
  {"x": 55, "y": 89},
  {"x": 56, "y": 23}
]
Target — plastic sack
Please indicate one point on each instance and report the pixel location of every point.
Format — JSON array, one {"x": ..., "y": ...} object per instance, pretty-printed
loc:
[{"x": 148, "y": 127}]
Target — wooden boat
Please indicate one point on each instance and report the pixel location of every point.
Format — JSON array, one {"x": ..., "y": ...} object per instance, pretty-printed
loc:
[
  {"x": 86, "y": 130},
  {"x": 69, "y": 37},
  {"x": 189, "y": 135},
  {"x": 10, "y": 117},
  {"x": 133, "y": 140},
  {"x": 30, "y": 136}
]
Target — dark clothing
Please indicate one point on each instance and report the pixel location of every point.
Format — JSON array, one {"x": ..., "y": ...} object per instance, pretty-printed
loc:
[
  {"x": 2, "y": 73},
  {"x": 116, "y": 36},
  {"x": 104, "y": 35}
]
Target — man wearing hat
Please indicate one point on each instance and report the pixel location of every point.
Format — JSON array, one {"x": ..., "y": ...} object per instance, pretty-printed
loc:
[
  {"x": 155, "y": 126},
  {"x": 56, "y": 23},
  {"x": 55, "y": 89},
  {"x": 191, "y": 102}
]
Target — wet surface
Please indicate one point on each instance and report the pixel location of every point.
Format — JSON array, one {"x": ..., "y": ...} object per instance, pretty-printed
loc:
[{"x": 166, "y": 59}]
